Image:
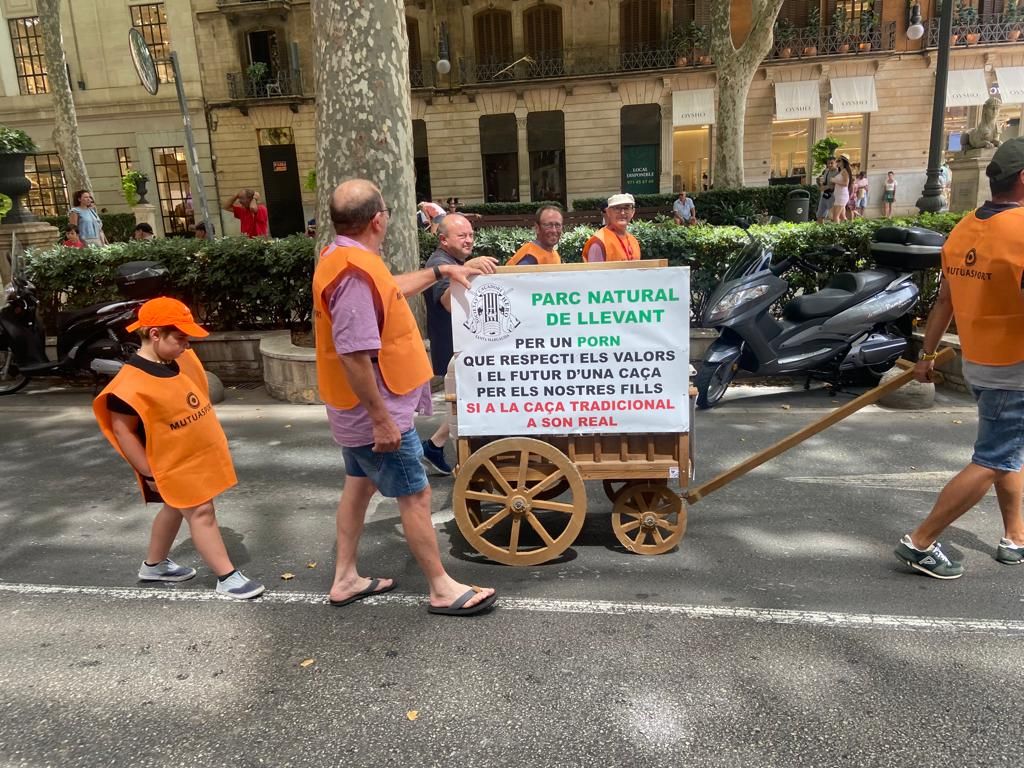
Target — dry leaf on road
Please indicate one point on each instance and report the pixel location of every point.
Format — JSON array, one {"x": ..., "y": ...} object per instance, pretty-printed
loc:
[
  {"x": 311, "y": 564},
  {"x": 287, "y": 576},
  {"x": 412, "y": 714},
  {"x": 307, "y": 662}
]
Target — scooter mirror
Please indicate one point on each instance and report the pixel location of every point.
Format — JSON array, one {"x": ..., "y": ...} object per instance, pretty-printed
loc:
[{"x": 743, "y": 223}]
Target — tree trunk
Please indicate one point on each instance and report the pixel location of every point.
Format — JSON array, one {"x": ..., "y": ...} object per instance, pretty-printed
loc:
[
  {"x": 65, "y": 122},
  {"x": 736, "y": 68},
  {"x": 363, "y": 122}
]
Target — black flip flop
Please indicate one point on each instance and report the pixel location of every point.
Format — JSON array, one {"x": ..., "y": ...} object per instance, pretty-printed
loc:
[
  {"x": 370, "y": 591},
  {"x": 456, "y": 609}
]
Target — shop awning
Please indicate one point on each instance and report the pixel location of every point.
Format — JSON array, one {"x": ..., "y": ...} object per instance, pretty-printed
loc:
[
  {"x": 1011, "y": 84},
  {"x": 966, "y": 88},
  {"x": 695, "y": 107},
  {"x": 854, "y": 95},
  {"x": 797, "y": 101}
]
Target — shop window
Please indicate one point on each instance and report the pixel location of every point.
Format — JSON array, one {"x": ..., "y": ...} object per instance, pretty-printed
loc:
[
  {"x": 28, "y": 55},
  {"x": 955, "y": 122},
  {"x": 691, "y": 158},
  {"x": 791, "y": 141},
  {"x": 151, "y": 21},
  {"x": 421, "y": 163},
  {"x": 173, "y": 189},
  {"x": 1008, "y": 121},
  {"x": 49, "y": 193},
  {"x": 849, "y": 129},
  {"x": 641, "y": 148},
  {"x": 499, "y": 149},
  {"x": 545, "y": 138}
]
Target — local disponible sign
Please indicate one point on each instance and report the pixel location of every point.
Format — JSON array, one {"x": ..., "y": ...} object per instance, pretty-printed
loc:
[{"x": 573, "y": 352}]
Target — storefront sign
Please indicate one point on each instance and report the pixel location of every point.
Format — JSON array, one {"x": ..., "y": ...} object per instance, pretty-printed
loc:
[
  {"x": 640, "y": 169},
  {"x": 573, "y": 352},
  {"x": 966, "y": 88},
  {"x": 695, "y": 107},
  {"x": 854, "y": 95},
  {"x": 1011, "y": 84},
  {"x": 797, "y": 101}
]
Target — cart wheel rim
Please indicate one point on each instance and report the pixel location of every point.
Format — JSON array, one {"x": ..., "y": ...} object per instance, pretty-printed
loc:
[
  {"x": 648, "y": 518},
  {"x": 510, "y": 520}
]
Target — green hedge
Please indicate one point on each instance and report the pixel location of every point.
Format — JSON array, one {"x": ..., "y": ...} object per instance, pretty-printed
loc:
[
  {"x": 118, "y": 227},
  {"x": 235, "y": 282},
  {"x": 719, "y": 206},
  {"x": 505, "y": 209},
  {"x": 231, "y": 282}
]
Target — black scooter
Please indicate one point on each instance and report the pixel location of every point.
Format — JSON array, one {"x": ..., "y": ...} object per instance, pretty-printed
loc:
[
  {"x": 859, "y": 322},
  {"x": 92, "y": 340}
]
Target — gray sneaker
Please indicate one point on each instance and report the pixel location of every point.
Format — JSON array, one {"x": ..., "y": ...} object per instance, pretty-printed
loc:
[
  {"x": 932, "y": 561},
  {"x": 165, "y": 570},
  {"x": 238, "y": 587},
  {"x": 1009, "y": 553}
]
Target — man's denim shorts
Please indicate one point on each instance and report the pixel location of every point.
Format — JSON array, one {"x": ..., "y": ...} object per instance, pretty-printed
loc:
[
  {"x": 398, "y": 473},
  {"x": 824, "y": 207},
  {"x": 1000, "y": 442}
]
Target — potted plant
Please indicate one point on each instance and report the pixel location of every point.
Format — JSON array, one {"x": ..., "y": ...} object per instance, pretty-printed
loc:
[
  {"x": 256, "y": 75},
  {"x": 841, "y": 29},
  {"x": 134, "y": 187},
  {"x": 1014, "y": 16},
  {"x": 967, "y": 18},
  {"x": 784, "y": 34},
  {"x": 680, "y": 44},
  {"x": 14, "y": 145},
  {"x": 813, "y": 31},
  {"x": 701, "y": 39},
  {"x": 869, "y": 22}
]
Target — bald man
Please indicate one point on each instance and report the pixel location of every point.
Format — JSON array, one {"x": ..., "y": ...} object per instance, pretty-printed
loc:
[
  {"x": 455, "y": 247},
  {"x": 374, "y": 374}
]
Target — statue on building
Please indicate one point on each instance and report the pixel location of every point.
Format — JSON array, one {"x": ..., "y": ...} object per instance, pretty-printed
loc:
[{"x": 985, "y": 135}]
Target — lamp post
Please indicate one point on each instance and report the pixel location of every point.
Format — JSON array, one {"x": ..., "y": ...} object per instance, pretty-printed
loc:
[{"x": 931, "y": 196}]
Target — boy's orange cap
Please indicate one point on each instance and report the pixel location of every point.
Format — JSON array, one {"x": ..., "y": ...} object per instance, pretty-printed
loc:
[{"x": 163, "y": 311}]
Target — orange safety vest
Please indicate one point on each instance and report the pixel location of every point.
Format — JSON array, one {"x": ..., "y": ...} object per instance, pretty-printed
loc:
[
  {"x": 983, "y": 262},
  {"x": 532, "y": 249},
  {"x": 613, "y": 248},
  {"x": 185, "y": 444},
  {"x": 402, "y": 358}
]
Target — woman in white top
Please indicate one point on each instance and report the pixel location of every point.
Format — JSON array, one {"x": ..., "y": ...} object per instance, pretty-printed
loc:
[
  {"x": 841, "y": 182},
  {"x": 84, "y": 216},
  {"x": 890, "y": 194}
]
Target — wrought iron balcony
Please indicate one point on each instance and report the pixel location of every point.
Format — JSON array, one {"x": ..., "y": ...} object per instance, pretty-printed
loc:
[
  {"x": 992, "y": 29},
  {"x": 230, "y": 6},
  {"x": 282, "y": 84},
  {"x": 809, "y": 42}
]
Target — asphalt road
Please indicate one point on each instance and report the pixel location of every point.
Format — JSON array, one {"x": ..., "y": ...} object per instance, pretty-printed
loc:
[{"x": 782, "y": 632}]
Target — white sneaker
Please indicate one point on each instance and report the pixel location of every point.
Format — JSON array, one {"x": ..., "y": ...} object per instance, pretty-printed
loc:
[
  {"x": 238, "y": 587},
  {"x": 165, "y": 570}
]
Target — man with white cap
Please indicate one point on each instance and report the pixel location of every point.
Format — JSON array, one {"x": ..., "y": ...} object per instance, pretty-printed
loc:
[{"x": 612, "y": 242}]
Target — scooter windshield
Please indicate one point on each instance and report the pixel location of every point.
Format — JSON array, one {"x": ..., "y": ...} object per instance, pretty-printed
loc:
[{"x": 748, "y": 261}]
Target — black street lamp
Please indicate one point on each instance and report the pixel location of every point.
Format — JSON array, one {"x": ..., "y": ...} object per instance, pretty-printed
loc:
[{"x": 931, "y": 196}]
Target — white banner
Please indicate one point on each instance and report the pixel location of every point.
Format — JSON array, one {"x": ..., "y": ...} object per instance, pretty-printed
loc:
[
  {"x": 797, "y": 101},
  {"x": 693, "y": 107},
  {"x": 966, "y": 88},
  {"x": 854, "y": 95},
  {"x": 1011, "y": 84},
  {"x": 573, "y": 352}
]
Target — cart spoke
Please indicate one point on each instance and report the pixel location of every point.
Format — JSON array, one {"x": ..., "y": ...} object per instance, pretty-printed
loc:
[
  {"x": 548, "y": 482},
  {"x": 524, "y": 465},
  {"x": 492, "y": 521},
  {"x": 657, "y": 536},
  {"x": 540, "y": 529},
  {"x": 555, "y": 506},
  {"x": 641, "y": 502},
  {"x": 481, "y": 496},
  {"x": 665, "y": 524},
  {"x": 640, "y": 536},
  {"x": 496, "y": 474},
  {"x": 627, "y": 527},
  {"x": 513, "y": 541}
]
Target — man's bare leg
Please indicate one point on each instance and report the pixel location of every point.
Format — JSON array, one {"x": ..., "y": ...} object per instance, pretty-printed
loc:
[
  {"x": 351, "y": 516},
  {"x": 1009, "y": 491},
  {"x": 960, "y": 494},
  {"x": 440, "y": 437}
]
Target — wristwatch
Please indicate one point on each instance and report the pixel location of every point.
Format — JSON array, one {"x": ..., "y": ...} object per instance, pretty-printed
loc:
[
  {"x": 437, "y": 273},
  {"x": 927, "y": 355}
]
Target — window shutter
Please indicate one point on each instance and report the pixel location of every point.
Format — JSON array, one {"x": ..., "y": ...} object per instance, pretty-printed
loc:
[
  {"x": 639, "y": 25},
  {"x": 492, "y": 36},
  {"x": 542, "y": 29}
]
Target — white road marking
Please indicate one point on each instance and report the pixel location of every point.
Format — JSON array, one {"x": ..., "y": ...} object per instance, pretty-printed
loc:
[
  {"x": 829, "y": 619},
  {"x": 914, "y": 481}
]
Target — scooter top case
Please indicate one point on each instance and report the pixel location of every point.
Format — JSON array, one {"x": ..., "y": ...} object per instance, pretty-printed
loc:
[{"x": 907, "y": 248}]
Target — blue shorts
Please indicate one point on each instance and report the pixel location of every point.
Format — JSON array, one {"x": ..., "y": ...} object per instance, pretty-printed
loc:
[
  {"x": 1000, "y": 442},
  {"x": 824, "y": 207},
  {"x": 398, "y": 473}
]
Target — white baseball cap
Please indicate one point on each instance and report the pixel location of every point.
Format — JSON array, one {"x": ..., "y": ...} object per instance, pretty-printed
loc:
[{"x": 623, "y": 198}]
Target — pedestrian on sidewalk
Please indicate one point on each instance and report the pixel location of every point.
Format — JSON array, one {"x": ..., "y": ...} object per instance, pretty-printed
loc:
[
  {"x": 157, "y": 414},
  {"x": 374, "y": 374},
  {"x": 983, "y": 289},
  {"x": 455, "y": 239}
]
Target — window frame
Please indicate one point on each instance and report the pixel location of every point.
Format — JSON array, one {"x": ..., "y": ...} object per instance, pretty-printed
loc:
[
  {"x": 29, "y": 62},
  {"x": 35, "y": 199},
  {"x": 164, "y": 188},
  {"x": 157, "y": 36}
]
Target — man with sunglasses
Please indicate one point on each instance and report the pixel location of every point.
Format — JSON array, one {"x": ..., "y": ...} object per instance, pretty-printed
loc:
[
  {"x": 613, "y": 242},
  {"x": 543, "y": 248}
]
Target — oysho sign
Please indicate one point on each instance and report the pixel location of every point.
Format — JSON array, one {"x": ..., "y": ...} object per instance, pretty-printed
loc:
[{"x": 573, "y": 352}]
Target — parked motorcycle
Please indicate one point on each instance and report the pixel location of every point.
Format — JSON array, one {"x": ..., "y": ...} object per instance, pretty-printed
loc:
[
  {"x": 92, "y": 340},
  {"x": 858, "y": 322}
]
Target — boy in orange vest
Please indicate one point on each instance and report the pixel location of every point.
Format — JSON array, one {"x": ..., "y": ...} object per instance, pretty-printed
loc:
[{"x": 157, "y": 414}]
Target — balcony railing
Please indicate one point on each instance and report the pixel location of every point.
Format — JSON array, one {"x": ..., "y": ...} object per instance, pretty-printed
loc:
[
  {"x": 809, "y": 42},
  {"x": 281, "y": 84},
  {"x": 994, "y": 29}
]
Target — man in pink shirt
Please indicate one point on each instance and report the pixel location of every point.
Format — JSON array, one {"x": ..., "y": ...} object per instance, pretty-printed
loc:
[{"x": 252, "y": 214}]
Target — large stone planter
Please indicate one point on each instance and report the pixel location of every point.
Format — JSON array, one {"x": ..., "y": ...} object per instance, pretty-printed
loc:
[
  {"x": 289, "y": 372},
  {"x": 15, "y": 185},
  {"x": 234, "y": 356}
]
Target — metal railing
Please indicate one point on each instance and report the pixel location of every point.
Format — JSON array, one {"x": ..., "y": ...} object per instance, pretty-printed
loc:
[
  {"x": 809, "y": 42},
  {"x": 994, "y": 29},
  {"x": 282, "y": 84}
]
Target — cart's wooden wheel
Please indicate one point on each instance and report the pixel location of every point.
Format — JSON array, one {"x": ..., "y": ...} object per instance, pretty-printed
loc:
[
  {"x": 612, "y": 487},
  {"x": 648, "y": 518},
  {"x": 500, "y": 516}
]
